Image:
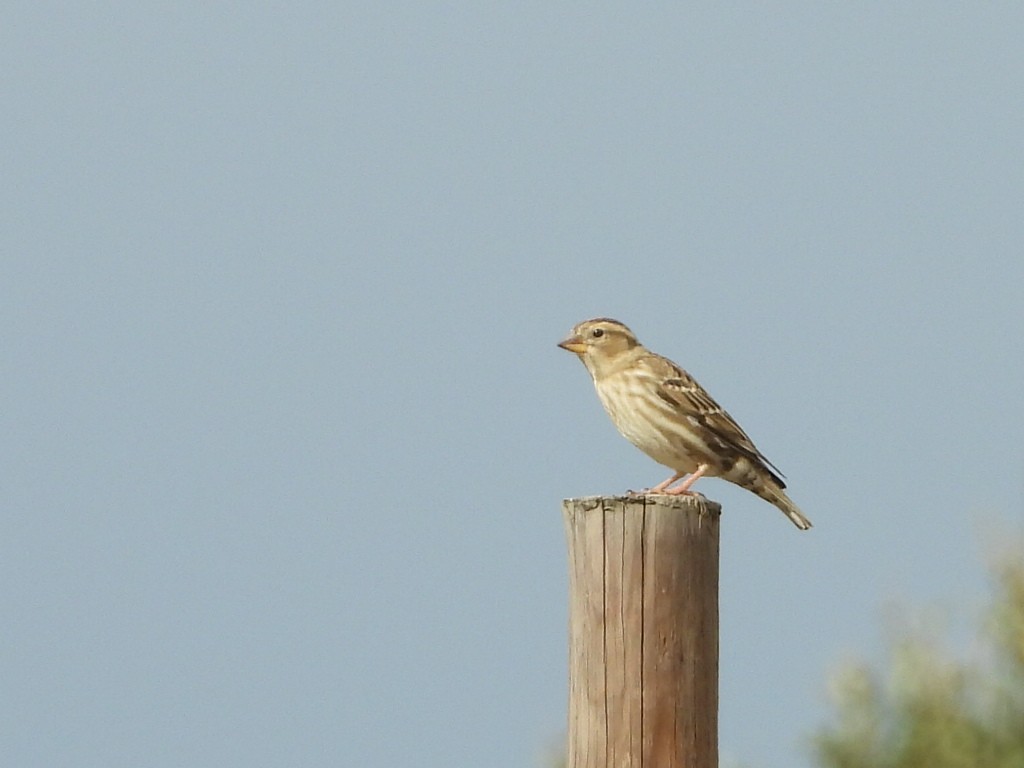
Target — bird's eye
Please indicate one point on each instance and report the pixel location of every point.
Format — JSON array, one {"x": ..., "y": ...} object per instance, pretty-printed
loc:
[{"x": 597, "y": 333}]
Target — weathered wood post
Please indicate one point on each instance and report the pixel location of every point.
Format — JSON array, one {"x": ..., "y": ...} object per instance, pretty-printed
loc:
[{"x": 643, "y": 632}]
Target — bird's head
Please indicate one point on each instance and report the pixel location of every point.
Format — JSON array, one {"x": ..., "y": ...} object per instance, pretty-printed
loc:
[{"x": 602, "y": 344}]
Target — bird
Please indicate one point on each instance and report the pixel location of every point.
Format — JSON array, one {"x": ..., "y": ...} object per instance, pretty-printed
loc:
[{"x": 663, "y": 411}]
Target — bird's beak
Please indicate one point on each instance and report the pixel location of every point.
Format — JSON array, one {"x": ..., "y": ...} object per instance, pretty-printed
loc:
[{"x": 574, "y": 344}]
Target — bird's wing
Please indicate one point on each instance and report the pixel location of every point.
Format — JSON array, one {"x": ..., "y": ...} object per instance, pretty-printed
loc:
[{"x": 681, "y": 390}]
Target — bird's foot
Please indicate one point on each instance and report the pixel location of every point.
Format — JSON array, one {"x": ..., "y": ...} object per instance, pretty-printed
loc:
[
  {"x": 681, "y": 492},
  {"x": 696, "y": 494},
  {"x": 683, "y": 489},
  {"x": 664, "y": 492}
]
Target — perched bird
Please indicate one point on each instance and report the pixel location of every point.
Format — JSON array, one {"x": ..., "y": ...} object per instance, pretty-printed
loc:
[{"x": 664, "y": 412}]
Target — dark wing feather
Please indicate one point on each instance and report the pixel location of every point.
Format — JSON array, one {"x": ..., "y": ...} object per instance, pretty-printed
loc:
[{"x": 682, "y": 390}]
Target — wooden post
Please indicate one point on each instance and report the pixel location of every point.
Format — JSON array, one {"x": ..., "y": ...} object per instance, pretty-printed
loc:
[{"x": 643, "y": 632}]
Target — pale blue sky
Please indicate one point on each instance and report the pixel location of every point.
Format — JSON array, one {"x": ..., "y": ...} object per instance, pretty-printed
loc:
[{"x": 285, "y": 431}]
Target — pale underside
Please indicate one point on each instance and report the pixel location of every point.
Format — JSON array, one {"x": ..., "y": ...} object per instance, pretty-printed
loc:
[{"x": 670, "y": 444}]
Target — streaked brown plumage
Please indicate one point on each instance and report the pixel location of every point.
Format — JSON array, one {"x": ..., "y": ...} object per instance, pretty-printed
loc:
[{"x": 664, "y": 412}]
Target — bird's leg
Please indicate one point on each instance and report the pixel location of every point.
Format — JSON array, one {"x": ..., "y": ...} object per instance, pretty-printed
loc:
[
  {"x": 660, "y": 487},
  {"x": 684, "y": 487}
]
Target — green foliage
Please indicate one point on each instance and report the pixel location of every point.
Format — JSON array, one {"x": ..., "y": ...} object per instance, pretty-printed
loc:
[{"x": 929, "y": 710}]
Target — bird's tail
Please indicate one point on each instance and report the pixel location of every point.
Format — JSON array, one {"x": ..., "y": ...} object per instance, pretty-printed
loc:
[
  {"x": 772, "y": 493},
  {"x": 762, "y": 481},
  {"x": 759, "y": 479}
]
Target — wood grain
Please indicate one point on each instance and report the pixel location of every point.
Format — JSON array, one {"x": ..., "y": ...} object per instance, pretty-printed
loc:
[{"x": 643, "y": 632}]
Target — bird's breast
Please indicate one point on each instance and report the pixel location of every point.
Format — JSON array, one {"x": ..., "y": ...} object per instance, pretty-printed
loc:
[{"x": 647, "y": 421}]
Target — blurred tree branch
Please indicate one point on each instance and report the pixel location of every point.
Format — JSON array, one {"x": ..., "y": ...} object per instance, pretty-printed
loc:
[{"x": 930, "y": 710}]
